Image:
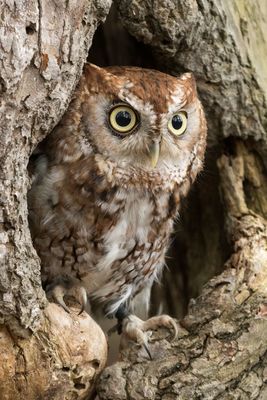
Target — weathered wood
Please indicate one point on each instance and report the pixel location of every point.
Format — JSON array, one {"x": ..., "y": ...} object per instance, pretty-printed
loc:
[
  {"x": 43, "y": 46},
  {"x": 60, "y": 361}
]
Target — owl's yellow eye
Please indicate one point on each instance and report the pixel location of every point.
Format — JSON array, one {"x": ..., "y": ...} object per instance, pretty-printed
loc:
[
  {"x": 122, "y": 119},
  {"x": 178, "y": 123}
]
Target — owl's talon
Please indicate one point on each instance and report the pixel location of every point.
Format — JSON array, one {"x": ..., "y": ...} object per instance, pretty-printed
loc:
[
  {"x": 58, "y": 293},
  {"x": 133, "y": 328},
  {"x": 173, "y": 325},
  {"x": 148, "y": 352},
  {"x": 62, "y": 304},
  {"x": 83, "y": 302},
  {"x": 59, "y": 290}
]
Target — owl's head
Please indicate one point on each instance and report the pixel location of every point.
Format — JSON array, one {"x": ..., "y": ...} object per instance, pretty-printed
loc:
[{"x": 141, "y": 118}]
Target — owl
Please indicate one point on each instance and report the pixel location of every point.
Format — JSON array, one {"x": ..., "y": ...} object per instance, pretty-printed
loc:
[{"x": 107, "y": 187}]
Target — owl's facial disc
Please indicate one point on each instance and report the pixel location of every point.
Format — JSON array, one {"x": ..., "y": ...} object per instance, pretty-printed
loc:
[{"x": 141, "y": 137}]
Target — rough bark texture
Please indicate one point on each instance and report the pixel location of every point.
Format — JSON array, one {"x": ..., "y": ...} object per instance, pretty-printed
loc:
[
  {"x": 221, "y": 351},
  {"x": 60, "y": 361},
  {"x": 43, "y": 46}
]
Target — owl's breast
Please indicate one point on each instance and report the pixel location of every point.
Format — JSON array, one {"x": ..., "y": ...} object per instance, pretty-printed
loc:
[
  {"x": 111, "y": 238},
  {"x": 133, "y": 248}
]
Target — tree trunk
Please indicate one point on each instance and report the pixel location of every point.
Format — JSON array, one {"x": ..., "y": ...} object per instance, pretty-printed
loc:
[
  {"x": 220, "y": 352},
  {"x": 44, "y": 45}
]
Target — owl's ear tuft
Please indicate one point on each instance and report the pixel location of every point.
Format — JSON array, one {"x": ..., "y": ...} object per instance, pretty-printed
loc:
[
  {"x": 99, "y": 79},
  {"x": 189, "y": 79},
  {"x": 91, "y": 77},
  {"x": 91, "y": 69}
]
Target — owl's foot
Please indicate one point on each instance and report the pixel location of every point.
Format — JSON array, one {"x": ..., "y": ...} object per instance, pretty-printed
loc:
[
  {"x": 133, "y": 328},
  {"x": 62, "y": 287}
]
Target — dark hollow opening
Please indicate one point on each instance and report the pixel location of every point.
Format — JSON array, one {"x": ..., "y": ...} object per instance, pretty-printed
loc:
[{"x": 31, "y": 29}]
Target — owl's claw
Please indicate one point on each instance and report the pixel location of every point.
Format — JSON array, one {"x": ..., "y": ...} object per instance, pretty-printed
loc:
[
  {"x": 148, "y": 352},
  {"x": 58, "y": 293},
  {"x": 61, "y": 288},
  {"x": 133, "y": 328}
]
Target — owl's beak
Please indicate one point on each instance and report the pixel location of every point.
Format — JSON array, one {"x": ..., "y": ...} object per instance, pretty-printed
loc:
[{"x": 153, "y": 152}]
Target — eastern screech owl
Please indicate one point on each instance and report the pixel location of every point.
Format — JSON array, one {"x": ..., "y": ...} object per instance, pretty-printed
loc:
[{"x": 108, "y": 185}]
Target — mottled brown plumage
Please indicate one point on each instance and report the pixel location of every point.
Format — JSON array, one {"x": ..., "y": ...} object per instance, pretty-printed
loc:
[{"x": 100, "y": 213}]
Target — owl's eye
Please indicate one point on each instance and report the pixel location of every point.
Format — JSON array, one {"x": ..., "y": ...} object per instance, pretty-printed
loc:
[
  {"x": 122, "y": 119},
  {"x": 178, "y": 123}
]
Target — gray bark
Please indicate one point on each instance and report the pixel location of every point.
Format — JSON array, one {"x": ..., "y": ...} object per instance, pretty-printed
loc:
[{"x": 43, "y": 46}]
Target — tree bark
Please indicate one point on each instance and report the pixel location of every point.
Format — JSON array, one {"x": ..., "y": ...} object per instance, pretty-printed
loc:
[
  {"x": 43, "y": 46},
  {"x": 221, "y": 349}
]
